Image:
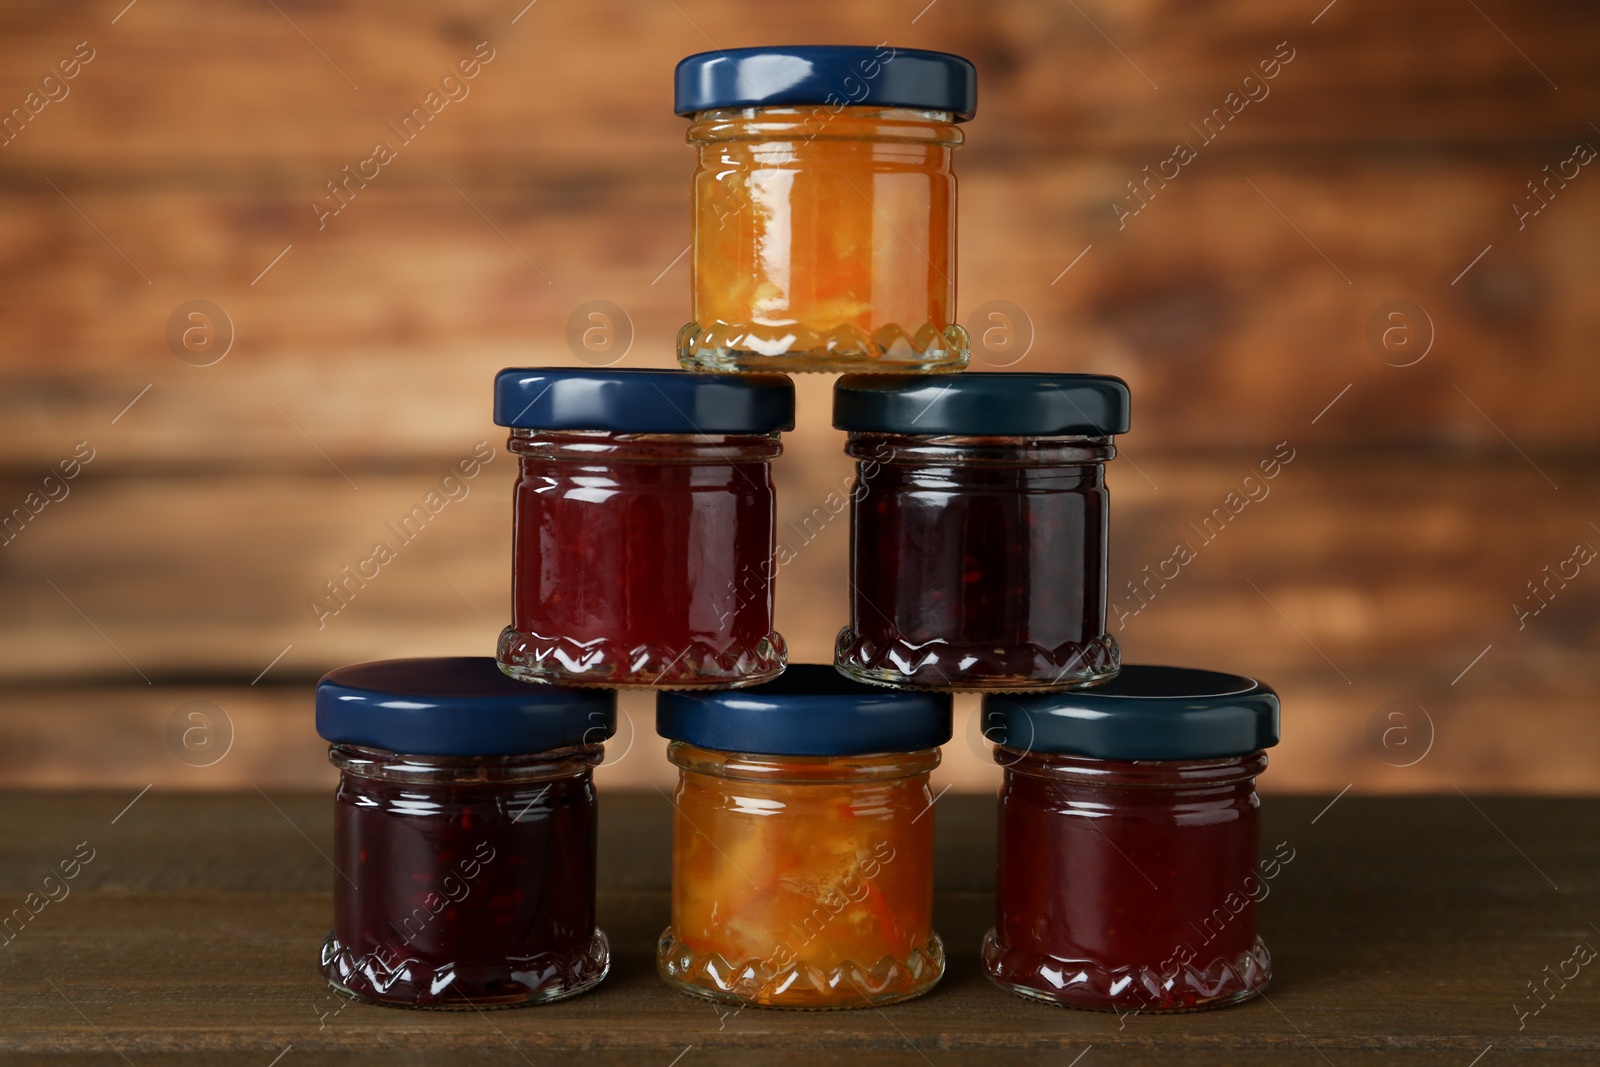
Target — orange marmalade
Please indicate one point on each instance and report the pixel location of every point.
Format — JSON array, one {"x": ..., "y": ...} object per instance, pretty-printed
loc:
[
  {"x": 824, "y": 240},
  {"x": 802, "y": 881}
]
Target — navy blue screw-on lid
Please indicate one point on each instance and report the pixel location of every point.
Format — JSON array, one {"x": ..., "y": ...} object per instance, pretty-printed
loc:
[
  {"x": 869, "y": 75},
  {"x": 982, "y": 403},
  {"x": 809, "y": 710},
  {"x": 457, "y": 706},
  {"x": 642, "y": 401},
  {"x": 1144, "y": 713}
]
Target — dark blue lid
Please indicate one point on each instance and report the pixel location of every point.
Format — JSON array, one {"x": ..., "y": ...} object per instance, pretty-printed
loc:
[
  {"x": 458, "y": 706},
  {"x": 642, "y": 401},
  {"x": 869, "y": 75},
  {"x": 982, "y": 403},
  {"x": 1144, "y": 713},
  {"x": 809, "y": 710}
]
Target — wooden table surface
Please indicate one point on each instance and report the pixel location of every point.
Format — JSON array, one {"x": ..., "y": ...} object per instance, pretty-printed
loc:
[{"x": 1410, "y": 927}]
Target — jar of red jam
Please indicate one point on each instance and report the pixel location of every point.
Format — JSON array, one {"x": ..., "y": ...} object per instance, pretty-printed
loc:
[
  {"x": 1129, "y": 839},
  {"x": 978, "y": 529},
  {"x": 643, "y": 538},
  {"x": 802, "y": 845},
  {"x": 463, "y": 834},
  {"x": 824, "y": 208}
]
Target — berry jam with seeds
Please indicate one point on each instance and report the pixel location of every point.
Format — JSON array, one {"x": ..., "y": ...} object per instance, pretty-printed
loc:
[
  {"x": 978, "y": 562},
  {"x": 464, "y": 882}
]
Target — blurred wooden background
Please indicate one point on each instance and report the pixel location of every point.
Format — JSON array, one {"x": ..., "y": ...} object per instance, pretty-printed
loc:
[{"x": 1377, "y": 579}]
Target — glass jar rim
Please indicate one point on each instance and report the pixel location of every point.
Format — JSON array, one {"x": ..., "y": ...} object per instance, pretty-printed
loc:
[
  {"x": 690, "y": 758},
  {"x": 1157, "y": 774},
  {"x": 820, "y": 124},
  {"x": 383, "y": 765}
]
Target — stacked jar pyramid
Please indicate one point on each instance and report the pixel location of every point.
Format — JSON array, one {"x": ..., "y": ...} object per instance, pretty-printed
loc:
[{"x": 643, "y": 556}]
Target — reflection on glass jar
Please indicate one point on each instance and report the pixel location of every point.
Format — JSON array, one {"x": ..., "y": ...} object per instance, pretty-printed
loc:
[
  {"x": 464, "y": 880},
  {"x": 1128, "y": 877},
  {"x": 643, "y": 536},
  {"x": 979, "y": 526},
  {"x": 824, "y": 208},
  {"x": 802, "y": 872}
]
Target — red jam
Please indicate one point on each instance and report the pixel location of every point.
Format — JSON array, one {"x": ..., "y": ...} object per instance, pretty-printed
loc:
[
  {"x": 643, "y": 560},
  {"x": 464, "y": 882},
  {"x": 1129, "y": 886},
  {"x": 978, "y": 563}
]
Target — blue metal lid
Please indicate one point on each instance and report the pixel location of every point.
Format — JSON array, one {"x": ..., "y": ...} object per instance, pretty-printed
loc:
[
  {"x": 808, "y": 710},
  {"x": 982, "y": 404},
  {"x": 1144, "y": 713},
  {"x": 457, "y": 706},
  {"x": 868, "y": 75},
  {"x": 642, "y": 401}
]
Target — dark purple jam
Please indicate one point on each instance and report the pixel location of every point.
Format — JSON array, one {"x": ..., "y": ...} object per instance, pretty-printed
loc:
[{"x": 464, "y": 882}]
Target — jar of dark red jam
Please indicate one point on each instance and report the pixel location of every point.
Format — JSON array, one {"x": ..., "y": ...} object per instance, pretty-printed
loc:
[
  {"x": 824, "y": 208},
  {"x": 643, "y": 538},
  {"x": 1129, "y": 839},
  {"x": 463, "y": 834},
  {"x": 802, "y": 845},
  {"x": 978, "y": 529}
]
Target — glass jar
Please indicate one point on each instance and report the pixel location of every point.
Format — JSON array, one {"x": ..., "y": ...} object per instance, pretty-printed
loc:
[
  {"x": 824, "y": 208},
  {"x": 1129, "y": 833},
  {"x": 643, "y": 526},
  {"x": 802, "y": 860},
  {"x": 464, "y": 835},
  {"x": 978, "y": 529}
]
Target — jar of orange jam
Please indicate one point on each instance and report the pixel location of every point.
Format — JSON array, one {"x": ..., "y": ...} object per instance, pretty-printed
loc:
[
  {"x": 802, "y": 842},
  {"x": 824, "y": 208}
]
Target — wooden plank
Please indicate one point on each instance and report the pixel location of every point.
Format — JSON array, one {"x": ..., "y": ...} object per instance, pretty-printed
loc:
[
  {"x": 191, "y": 934},
  {"x": 1366, "y": 566},
  {"x": 1343, "y": 586},
  {"x": 583, "y": 89},
  {"x": 379, "y": 337},
  {"x": 124, "y": 737}
]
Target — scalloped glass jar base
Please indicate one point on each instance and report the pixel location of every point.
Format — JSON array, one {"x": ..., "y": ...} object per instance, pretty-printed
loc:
[
  {"x": 413, "y": 983},
  {"x": 1096, "y": 987},
  {"x": 799, "y": 986},
  {"x": 532, "y": 658},
  {"x": 797, "y": 349},
  {"x": 983, "y": 669}
]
